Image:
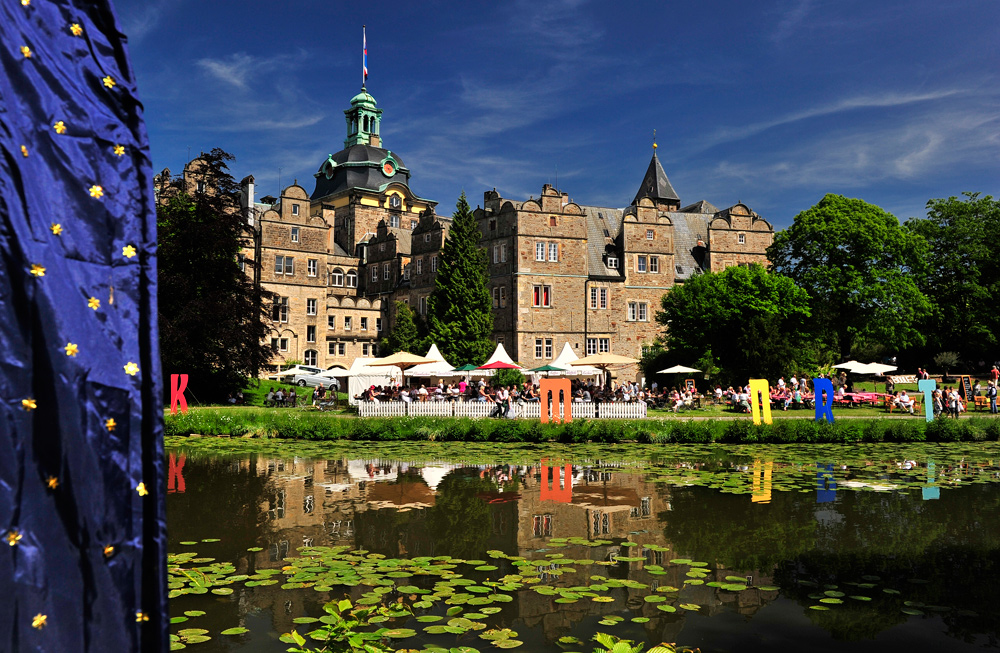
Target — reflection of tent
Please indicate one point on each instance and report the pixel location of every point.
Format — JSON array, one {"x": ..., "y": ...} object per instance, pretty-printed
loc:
[
  {"x": 413, "y": 494},
  {"x": 439, "y": 366},
  {"x": 565, "y": 360},
  {"x": 434, "y": 475},
  {"x": 358, "y": 471},
  {"x": 360, "y": 377}
]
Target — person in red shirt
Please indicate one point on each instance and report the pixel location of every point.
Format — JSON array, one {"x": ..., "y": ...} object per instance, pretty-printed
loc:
[{"x": 995, "y": 373}]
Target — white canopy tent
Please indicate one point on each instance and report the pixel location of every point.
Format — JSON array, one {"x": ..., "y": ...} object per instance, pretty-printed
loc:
[
  {"x": 499, "y": 355},
  {"x": 361, "y": 376},
  {"x": 439, "y": 368},
  {"x": 566, "y": 357}
]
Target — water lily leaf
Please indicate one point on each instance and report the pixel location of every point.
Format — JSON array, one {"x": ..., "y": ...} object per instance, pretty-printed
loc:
[
  {"x": 191, "y": 632},
  {"x": 176, "y": 646},
  {"x": 831, "y": 601},
  {"x": 768, "y": 588},
  {"x": 398, "y": 633},
  {"x": 211, "y": 539},
  {"x": 194, "y": 613},
  {"x": 196, "y": 639},
  {"x": 690, "y": 606},
  {"x": 187, "y": 543},
  {"x": 304, "y": 620},
  {"x": 890, "y": 591},
  {"x": 681, "y": 561},
  {"x": 454, "y": 610},
  {"x": 639, "y": 620},
  {"x": 493, "y": 610},
  {"x": 861, "y": 598},
  {"x": 239, "y": 630},
  {"x": 654, "y": 598},
  {"x": 818, "y": 607},
  {"x": 666, "y": 608},
  {"x": 912, "y": 611},
  {"x": 833, "y": 594},
  {"x": 603, "y": 599},
  {"x": 223, "y": 591},
  {"x": 429, "y": 618},
  {"x": 507, "y": 643},
  {"x": 256, "y": 548}
]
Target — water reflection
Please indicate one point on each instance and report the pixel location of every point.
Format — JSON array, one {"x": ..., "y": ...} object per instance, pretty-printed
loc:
[{"x": 796, "y": 525}]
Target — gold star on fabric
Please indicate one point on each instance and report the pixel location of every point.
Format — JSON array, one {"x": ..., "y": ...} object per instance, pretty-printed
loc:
[
  {"x": 39, "y": 621},
  {"x": 12, "y": 538},
  {"x": 94, "y": 303},
  {"x": 131, "y": 368},
  {"x": 96, "y": 192},
  {"x": 52, "y": 482},
  {"x": 108, "y": 81},
  {"x": 29, "y": 404},
  {"x": 119, "y": 150},
  {"x": 110, "y": 424},
  {"x": 37, "y": 270},
  {"x": 72, "y": 349},
  {"x": 60, "y": 127},
  {"x": 26, "y": 51},
  {"x": 128, "y": 251},
  {"x": 141, "y": 616},
  {"x": 25, "y": 3},
  {"x": 24, "y": 150},
  {"x": 75, "y": 29},
  {"x": 109, "y": 551},
  {"x": 141, "y": 489},
  {"x": 56, "y": 229}
]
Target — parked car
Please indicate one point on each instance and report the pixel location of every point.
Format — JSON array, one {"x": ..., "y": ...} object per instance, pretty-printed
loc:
[
  {"x": 328, "y": 379},
  {"x": 287, "y": 375}
]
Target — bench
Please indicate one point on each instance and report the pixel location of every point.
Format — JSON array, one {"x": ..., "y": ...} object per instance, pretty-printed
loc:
[{"x": 982, "y": 402}]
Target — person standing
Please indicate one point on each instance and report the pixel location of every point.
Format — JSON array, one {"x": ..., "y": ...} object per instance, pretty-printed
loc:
[{"x": 991, "y": 394}]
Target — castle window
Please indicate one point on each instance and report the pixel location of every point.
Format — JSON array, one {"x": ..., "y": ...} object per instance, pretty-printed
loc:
[
  {"x": 654, "y": 264},
  {"x": 295, "y": 234},
  {"x": 309, "y": 357},
  {"x": 503, "y": 252},
  {"x": 640, "y": 263},
  {"x": 649, "y": 234},
  {"x": 539, "y": 251},
  {"x": 337, "y": 277},
  {"x": 434, "y": 263},
  {"x": 503, "y": 296},
  {"x": 422, "y": 305},
  {"x": 281, "y": 344},
  {"x": 406, "y": 272},
  {"x": 742, "y": 239},
  {"x": 284, "y": 265},
  {"x": 375, "y": 273},
  {"x": 295, "y": 209},
  {"x": 279, "y": 310},
  {"x": 541, "y": 296},
  {"x": 311, "y": 336},
  {"x": 552, "y": 220},
  {"x": 364, "y": 324},
  {"x": 496, "y": 253},
  {"x": 381, "y": 247},
  {"x": 427, "y": 237},
  {"x": 378, "y": 324},
  {"x": 604, "y": 298},
  {"x": 347, "y": 323},
  {"x": 201, "y": 187},
  {"x": 310, "y": 307},
  {"x": 312, "y": 267},
  {"x": 538, "y": 347},
  {"x": 607, "y": 234},
  {"x": 554, "y": 252},
  {"x": 613, "y": 262},
  {"x": 331, "y": 321},
  {"x": 387, "y": 271},
  {"x": 420, "y": 266},
  {"x": 394, "y": 220},
  {"x": 493, "y": 225},
  {"x": 352, "y": 279}
]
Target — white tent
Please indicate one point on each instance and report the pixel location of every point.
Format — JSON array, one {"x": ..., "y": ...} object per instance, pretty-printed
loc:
[
  {"x": 360, "y": 377},
  {"x": 440, "y": 367},
  {"x": 567, "y": 356},
  {"x": 434, "y": 475},
  {"x": 499, "y": 354}
]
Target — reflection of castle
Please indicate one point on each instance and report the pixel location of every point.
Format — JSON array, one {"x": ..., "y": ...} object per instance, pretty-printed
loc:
[{"x": 384, "y": 507}]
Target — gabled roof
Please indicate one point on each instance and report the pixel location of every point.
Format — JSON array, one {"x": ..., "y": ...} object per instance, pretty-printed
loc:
[
  {"x": 701, "y": 206},
  {"x": 655, "y": 184}
]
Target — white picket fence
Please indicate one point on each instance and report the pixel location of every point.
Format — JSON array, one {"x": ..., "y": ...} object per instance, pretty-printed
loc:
[{"x": 483, "y": 409}]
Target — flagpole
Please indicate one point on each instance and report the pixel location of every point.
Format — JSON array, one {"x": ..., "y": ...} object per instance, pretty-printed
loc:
[{"x": 364, "y": 57}]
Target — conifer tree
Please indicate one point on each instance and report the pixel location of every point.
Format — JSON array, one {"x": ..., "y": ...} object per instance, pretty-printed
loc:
[
  {"x": 404, "y": 335},
  {"x": 460, "y": 311}
]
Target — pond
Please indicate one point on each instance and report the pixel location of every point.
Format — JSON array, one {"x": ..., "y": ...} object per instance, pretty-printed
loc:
[{"x": 805, "y": 547}]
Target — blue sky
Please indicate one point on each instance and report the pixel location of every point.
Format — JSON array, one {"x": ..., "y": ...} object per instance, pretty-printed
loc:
[{"x": 773, "y": 103}]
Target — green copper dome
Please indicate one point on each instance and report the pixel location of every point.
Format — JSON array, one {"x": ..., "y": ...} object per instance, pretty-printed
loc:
[{"x": 363, "y": 99}]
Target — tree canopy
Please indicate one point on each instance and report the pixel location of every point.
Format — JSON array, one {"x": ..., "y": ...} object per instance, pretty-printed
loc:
[
  {"x": 859, "y": 265},
  {"x": 404, "y": 334},
  {"x": 963, "y": 274},
  {"x": 752, "y": 322},
  {"x": 460, "y": 310},
  {"x": 212, "y": 319}
]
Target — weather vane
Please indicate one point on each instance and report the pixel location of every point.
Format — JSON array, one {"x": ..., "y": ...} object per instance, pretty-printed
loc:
[{"x": 654, "y": 139}]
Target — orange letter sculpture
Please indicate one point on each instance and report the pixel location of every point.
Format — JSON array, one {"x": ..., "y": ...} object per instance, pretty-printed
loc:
[{"x": 555, "y": 385}]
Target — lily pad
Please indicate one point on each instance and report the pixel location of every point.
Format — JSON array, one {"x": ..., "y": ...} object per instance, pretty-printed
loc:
[{"x": 239, "y": 630}]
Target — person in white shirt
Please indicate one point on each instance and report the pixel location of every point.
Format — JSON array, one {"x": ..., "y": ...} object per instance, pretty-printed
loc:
[
  {"x": 781, "y": 383},
  {"x": 404, "y": 394},
  {"x": 905, "y": 402}
]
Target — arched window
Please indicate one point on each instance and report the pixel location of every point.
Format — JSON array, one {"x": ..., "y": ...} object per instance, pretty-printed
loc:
[
  {"x": 366, "y": 123},
  {"x": 352, "y": 279},
  {"x": 337, "y": 277},
  {"x": 309, "y": 357}
]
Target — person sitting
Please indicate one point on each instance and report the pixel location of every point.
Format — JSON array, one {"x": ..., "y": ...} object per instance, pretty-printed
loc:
[
  {"x": 744, "y": 401},
  {"x": 279, "y": 398},
  {"x": 797, "y": 400},
  {"x": 481, "y": 395},
  {"x": 317, "y": 395},
  {"x": 404, "y": 394},
  {"x": 269, "y": 398},
  {"x": 422, "y": 393},
  {"x": 292, "y": 398},
  {"x": 904, "y": 401}
]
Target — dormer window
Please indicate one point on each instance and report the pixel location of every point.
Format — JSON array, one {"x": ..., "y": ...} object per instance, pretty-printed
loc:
[
  {"x": 613, "y": 262},
  {"x": 295, "y": 209}
]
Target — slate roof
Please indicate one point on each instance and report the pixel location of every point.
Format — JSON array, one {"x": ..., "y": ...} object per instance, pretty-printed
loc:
[
  {"x": 655, "y": 184},
  {"x": 688, "y": 228},
  {"x": 701, "y": 206},
  {"x": 599, "y": 219},
  {"x": 358, "y": 166}
]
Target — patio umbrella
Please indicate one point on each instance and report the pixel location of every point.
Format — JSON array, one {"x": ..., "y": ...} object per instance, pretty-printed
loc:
[
  {"x": 499, "y": 365},
  {"x": 547, "y": 368},
  {"x": 677, "y": 369},
  {"x": 401, "y": 359},
  {"x": 849, "y": 365},
  {"x": 872, "y": 368},
  {"x": 468, "y": 367},
  {"x": 603, "y": 362}
]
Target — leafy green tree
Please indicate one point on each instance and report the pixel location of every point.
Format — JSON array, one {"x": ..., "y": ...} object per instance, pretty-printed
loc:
[
  {"x": 751, "y": 323},
  {"x": 963, "y": 276},
  {"x": 460, "y": 310},
  {"x": 404, "y": 335},
  {"x": 212, "y": 319},
  {"x": 503, "y": 378},
  {"x": 859, "y": 266}
]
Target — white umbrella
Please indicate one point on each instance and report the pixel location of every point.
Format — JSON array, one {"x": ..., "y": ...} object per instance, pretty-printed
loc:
[
  {"x": 872, "y": 368},
  {"x": 678, "y": 369},
  {"x": 849, "y": 365}
]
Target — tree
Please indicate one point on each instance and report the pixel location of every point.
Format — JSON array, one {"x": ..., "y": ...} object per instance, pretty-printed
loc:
[
  {"x": 751, "y": 323},
  {"x": 404, "y": 335},
  {"x": 212, "y": 319},
  {"x": 859, "y": 265},
  {"x": 460, "y": 310},
  {"x": 963, "y": 275}
]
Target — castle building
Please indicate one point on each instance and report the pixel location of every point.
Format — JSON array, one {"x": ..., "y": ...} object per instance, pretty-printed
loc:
[{"x": 561, "y": 272}]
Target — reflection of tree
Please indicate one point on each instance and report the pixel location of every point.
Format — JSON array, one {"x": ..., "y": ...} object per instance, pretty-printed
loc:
[
  {"x": 854, "y": 621},
  {"x": 729, "y": 529},
  {"x": 460, "y": 521},
  {"x": 223, "y": 500}
]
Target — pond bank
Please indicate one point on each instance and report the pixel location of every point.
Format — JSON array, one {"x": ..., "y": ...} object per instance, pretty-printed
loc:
[{"x": 317, "y": 426}]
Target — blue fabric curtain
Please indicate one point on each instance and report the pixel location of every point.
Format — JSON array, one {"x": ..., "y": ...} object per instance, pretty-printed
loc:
[{"x": 82, "y": 559}]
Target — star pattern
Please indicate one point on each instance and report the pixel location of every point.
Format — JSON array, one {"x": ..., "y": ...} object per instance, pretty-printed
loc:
[
  {"x": 141, "y": 616},
  {"x": 52, "y": 482},
  {"x": 60, "y": 127},
  {"x": 12, "y": 538},
  {"x": 128, "y": 251},
  {"x": 94, "y": 303},
  {"x": 72, "y": 349},
  {"x": 26, "y": 51},
  {"x": 131, "y": 368},
  {"x": 25, "y": 3},
  {"x": 96, "y": 192},
  {"x": 109, "y": 551},
  {"x": 109, "y": 82},
  {"x": 119, "y": 150},
  {"x": 39, "y": 621},
  {"x": 75, "y": 29},
  {"x": 37, "y": 270},
  {"x": 56, "y": 229},
  {"x": 141, "y": 489},
  {"x": 29, "y": 404},
  {"x": 24, "y": 150},
  {"x": 110, "y": 424}
]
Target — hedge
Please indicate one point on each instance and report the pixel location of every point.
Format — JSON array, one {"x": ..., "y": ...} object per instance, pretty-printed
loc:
[{"x": 316, "y": 426}]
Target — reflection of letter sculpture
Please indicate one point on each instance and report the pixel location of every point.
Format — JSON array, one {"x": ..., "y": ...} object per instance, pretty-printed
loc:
[
  {"x": 177, "y": 393},
  {"x": 175, "y": 479},
  {"x": 928, "y": 386},
  {"x": 560, "y": 486},
  {"x": 760, "y": 386},
  {"x": 555, "y": 385},
  {"x": 761, "y": 492},
  {"x": 824, "y": 408}
]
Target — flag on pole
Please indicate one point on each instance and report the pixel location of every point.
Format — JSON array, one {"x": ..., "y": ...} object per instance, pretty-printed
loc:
[
  {"x": 364, "y": 58},
  {"x": 82, "y": 512}
]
